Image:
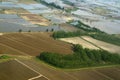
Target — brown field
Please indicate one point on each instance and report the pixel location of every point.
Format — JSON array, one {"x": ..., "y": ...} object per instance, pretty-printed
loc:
[
  {"x": 106, "y": 46},
  {"x": 108, "y": 73},
  {"x": 112, "y": 73},
  {"x": 36, "y": 19},
  {"x": 12, "y": 70},
  {"x": 50, "y": 72},
  {"x": 30, "y": 69},
  {"x": 78, "y": 40},
  {"x": 32, "y": 44},
  {"x": 16, "y": 11},
  {"x": 87, "y": 75},
  {"x": 4, "y": 49}
]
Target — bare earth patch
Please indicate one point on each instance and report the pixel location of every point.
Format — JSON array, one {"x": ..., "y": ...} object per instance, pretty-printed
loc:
[
  {"x": 78, "y": 40},
  {"x": 103, "y": 45},
  {"x": 1, "y": 34},
  {"x": 36, "y": 19}
]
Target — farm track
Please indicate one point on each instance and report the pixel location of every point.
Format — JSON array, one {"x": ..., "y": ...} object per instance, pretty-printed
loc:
[{"x": 49, "y": 72}]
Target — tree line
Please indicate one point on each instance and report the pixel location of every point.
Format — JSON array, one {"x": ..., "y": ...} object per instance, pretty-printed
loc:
[
  {"x": 63, "y": 34},
  {"x": 52, "y": 5},
  {"x": 89, "y": 31},
  {"x": 82, "y": 57}
]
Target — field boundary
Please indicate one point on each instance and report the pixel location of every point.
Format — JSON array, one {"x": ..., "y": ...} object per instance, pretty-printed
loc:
[
  {"x": 91, "y": 43},
  {"x": 40, "y": 75},
  {"x": 35, "y": 77}
]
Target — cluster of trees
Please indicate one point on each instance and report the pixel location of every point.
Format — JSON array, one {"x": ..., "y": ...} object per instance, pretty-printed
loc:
[
  {"x": 52, "y": 5},
  {"x": 63, "y": 34},
  {"x": 68, "y": 2},
  {"x": 81, "y": 58},
  {"x": 87, "y": 30},
  {"x": 99, "y": 36}
]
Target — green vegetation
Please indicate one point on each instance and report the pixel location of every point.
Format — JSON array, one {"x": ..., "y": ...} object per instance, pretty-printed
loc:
[
  {"x": 68, "y": 2},
  {"x": 81, "y": 58},
  {"x": 20, "y": 30},
  {"x": 4, "y": 57},
  {"x": 88, "y": 31},
  {"x": 70, "y": 10},
  {"x": 52, "y": 5},
  {"x": 63, "y": 34},
  {"x": 84, "y": 27}
]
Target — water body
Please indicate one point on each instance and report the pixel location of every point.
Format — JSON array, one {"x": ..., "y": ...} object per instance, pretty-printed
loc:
[
  {"x": 13, "y": 23},
  {"x": 11, "y": 27}
]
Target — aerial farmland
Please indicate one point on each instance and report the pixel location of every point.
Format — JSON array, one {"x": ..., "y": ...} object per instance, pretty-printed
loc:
[{"x": 59, "y": 40}]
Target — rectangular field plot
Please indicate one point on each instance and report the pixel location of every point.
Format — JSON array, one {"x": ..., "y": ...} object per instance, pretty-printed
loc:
[{"x": 13, "y": 70}]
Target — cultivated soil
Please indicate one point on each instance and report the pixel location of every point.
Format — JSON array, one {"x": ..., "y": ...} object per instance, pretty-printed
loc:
[{"x": 32, "y": 44}]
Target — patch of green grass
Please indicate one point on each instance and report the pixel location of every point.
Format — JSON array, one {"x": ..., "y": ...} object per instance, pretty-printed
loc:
[{"x": 4, "y": 57}]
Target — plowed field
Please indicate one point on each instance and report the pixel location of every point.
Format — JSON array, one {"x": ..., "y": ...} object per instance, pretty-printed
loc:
[{"x": 32, "y": 44}]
